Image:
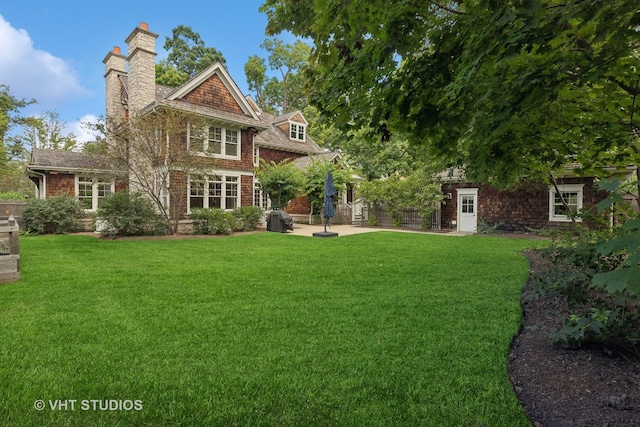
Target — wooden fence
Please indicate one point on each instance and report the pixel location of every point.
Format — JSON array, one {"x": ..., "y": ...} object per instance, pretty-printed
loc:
[
  {"x": 9, "y": 251},
  {"x": 12, "y": 208}
]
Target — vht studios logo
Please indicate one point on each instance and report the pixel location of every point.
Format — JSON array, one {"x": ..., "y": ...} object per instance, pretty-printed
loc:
[{"x": 88, "y": 405}]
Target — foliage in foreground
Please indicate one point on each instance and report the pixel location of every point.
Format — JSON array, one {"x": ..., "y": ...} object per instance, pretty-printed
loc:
[
  {"x": 57, "y": 215},
  {"x": 599, "y": 274},
  {"x": 218, "y": 221},
  {"x": 129, "y": 214}
]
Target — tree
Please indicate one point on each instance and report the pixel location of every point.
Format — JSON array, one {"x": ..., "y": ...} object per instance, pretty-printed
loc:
[
  {"x": 314, "y": 177},
  {"x": 256, "y": 71},
  {"x": 12, "y": 176},
  {"x": 287, "y": 93},
  {"x": 396, "y": 193},
  {"x": 510, "y": 90},
  {"x": 325, "y": 134},
  {"x": 9, "y": 117},
  {"x": 149, "y": 153},
  {"x": 280, "y": 181},
  {"x": 188, "y": 55},
  {"x": 43, "y": 131}
]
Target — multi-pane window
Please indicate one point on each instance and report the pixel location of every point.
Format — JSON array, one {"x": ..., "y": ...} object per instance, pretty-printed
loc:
[
  {"x": 565, "y": 203},
  {"x": 468, "y": 204},
  {"x": 90, "y": 191},
  {"x": 196, "y": 192},
  {"x": 214, "y": 191},
  {"x": 231, "y": 143},
  {"x": 217, "y": 141},
  {"x": 260, "y": 198},
  {"x": 296, "y": 131}
]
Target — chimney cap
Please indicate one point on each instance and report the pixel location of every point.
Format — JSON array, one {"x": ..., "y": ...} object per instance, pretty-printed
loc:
[
  {"x": 116, "y": 49},
  {"x": 144, "y": 26}
]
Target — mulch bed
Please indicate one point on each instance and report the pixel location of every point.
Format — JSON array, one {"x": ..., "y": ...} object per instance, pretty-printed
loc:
[{"x": 561, "y": 386}]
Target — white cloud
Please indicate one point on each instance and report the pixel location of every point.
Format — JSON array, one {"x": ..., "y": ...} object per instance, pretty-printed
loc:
[
  {"x": 79, "y": 129},
  {"x": 35, "y": 74}
]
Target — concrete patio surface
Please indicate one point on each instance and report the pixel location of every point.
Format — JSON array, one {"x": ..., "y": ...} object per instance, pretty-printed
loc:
[{"x": 346, "y": 230}]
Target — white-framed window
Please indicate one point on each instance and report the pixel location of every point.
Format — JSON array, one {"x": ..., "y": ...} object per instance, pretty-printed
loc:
[
  {"x": 214, "y": 191},
  {"x": 260, "y": 198},
  {"x": 215, "y": 141},
  {"x": 91, "y": 190},
  {"x": 296, "y": 131},
  {"x": 572, "y": 195}
]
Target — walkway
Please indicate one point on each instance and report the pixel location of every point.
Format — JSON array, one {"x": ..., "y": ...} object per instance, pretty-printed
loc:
[{"x": 346, "y": 230}]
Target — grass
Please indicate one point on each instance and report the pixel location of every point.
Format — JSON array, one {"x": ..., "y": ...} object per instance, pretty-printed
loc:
[{"x": 375, "y": 329}]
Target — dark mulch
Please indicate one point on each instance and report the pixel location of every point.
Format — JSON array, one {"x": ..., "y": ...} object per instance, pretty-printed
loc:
[{"x": 560, "y": 386}]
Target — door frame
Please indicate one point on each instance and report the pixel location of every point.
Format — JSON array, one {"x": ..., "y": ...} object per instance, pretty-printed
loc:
[{"x": 467, "y": 192}]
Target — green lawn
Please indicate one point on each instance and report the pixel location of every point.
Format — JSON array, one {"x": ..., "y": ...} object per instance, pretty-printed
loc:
[{"x": 377, "y": 329}]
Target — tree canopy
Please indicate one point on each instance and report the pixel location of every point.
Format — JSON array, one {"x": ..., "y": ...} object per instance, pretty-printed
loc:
[
  {"x": 510, "y": 90},
  {"x": 188, "y": 55},
  {"x": 286, "y": 93}
]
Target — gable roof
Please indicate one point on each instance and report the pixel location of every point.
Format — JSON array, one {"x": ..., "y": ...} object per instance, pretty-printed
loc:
[
  {"x": 69, "y": 161},
  {"x": 247, "y": 115},
  {"x": 304, "y": 161},
  {"x": 214, "y": 69},
  {"x": 287, "y": 117},
  {"x": 276, "y": 138}
]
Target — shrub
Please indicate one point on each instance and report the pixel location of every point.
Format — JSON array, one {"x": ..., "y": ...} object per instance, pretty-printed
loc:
[
  {"x": 13, "y": 196},
  {"x": 601, "y": 312},
  {"x": 247, "y": 218},
  {"x": 212, "y": 221},
  {"x": 129, "y": 214},
  {"x": 59, "y": 215}
]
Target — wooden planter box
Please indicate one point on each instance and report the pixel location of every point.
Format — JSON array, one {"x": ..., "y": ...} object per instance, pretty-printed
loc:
[{"x": 9, "y": 251}]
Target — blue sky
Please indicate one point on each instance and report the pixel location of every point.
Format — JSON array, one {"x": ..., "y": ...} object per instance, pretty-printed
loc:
[{"x": 52, "y": 51}]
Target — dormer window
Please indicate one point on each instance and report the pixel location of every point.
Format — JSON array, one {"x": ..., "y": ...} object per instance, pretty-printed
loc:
[{"x": 297, "y": 131}]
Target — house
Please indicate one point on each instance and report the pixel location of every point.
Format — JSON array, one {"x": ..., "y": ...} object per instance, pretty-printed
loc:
[
  {"x": 236, "y": 135},
  {"x": 529, "y": 206},
  {"x": 347, "y": 207}
]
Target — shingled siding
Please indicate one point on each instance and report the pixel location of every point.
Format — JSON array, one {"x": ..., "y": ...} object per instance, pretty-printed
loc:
[
  {"x": 246, "y": 190},
  {"x": 299, "y": 206},
  {"x": 518, "y": 209},
  {"x": 57, "y": 183},
  {"x": 213, "y": 93}
]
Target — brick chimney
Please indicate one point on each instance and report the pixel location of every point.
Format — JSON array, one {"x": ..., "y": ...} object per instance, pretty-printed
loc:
[
  {"x": 142, "y": 72},
  {"x": 115, "y": 66}
]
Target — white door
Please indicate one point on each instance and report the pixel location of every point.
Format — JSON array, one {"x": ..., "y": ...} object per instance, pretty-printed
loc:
[{"x": 468, "y": 209}]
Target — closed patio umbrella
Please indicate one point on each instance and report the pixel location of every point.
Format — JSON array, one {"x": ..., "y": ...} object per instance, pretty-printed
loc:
[{"x": 328, "y": 211}]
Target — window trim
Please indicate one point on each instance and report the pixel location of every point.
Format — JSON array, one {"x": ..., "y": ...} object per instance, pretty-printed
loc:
[
  {"x": 264, "y": 202},
  {"x": 223, "y": 179},
  {"x": 297, "y": 132},
  {"x": 565, "y": 188},
  {"x": 95, "y": 182},
  {"x": 224, "y": 134}
]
